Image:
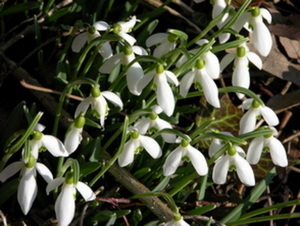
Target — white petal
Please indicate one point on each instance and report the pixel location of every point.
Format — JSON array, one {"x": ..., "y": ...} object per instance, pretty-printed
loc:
[
  {"x": 139, "y": 50},
  {"x": 181, "y": 61},
  {"x": 269, "y": 115},
  {"x": 163, "y": 48},
  {"x": 212, "y": 65},
  {"x": 255, "y": 149},
  {"x": 219, "y": 6},
  {"x": 44, "y": 172},
  {"x": 54, "y": 184},
  {"x": 100, "y": 106},
  {"x": 186, "y": 83},
  {"x": 65, "y": 205},
  {"x": 241, "y": 76},
  {"x": 244, "y": 170},
  {"x": 262, "y": 39},
  {"x": 10, "y": 170},
  {"x": 247, "y": 104},
  {"x": 151, "y": 146},
  {"x": 105, "y": 50},
  {"x": 131, "y": 40},
  {"x": 220, "y": 170},
  {"x": 278, "y": 153},
  {"x": 172, "y": 161},
  {"x": 155, "y": 39},
  {"x": 134, "y": 74},
  {"x": 198, "y": 160},
  {"x": 227, "y": 59},
  {"x": 165, "y": 97},
  {"x": 73, "y": 139},
  {"x": 224, "y": 37},
  {"x": 128, "y": 25},
  {"x": 83, "y": 106},
  {"x": 209, "y": 87},
  {"x": 114, "y": 98},
  {"x": 54, "y": 146},
  {"x": 27, "y": 189},
  {"x": 127, "y": 155},
  {"x": 266, "y": 14},
  {"x": 142, "y": 125},
  {"x": 254, "y": 59},
  {"x": 240, "y": 23},
  {"x": 110, "y": 64},
  {"x": 101, "y": 26},
  {"x": 144, "y": 81},
  {"x": 248, "y": 122},
  {"x": 214, "y": 147},
  {"x": 79, "y": 41},
  {"x": 171, "y": 77},
  {"x": 162, "y": 124},
  {"x": 86, "y": 192}
]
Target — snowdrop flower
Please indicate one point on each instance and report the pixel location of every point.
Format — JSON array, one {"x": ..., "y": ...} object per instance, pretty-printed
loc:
[
  {"x": 185, "y": 152},
  {"x": 255, "y": 110},
  {"x": 154, "y": 122},
  {"x": 98, "y": 103},
  {"x": 216, "y": 144},
  {"x": 202, "y": 81},
  {"x": 212, "y": 64},
  {"x": 175, "y": 222},
  {"x": 51, "y": 143},
  {"x": 27, "y": 188},
  {"x": 267, "y": 143},
  {"x": 241, "y": 57},
  {"x": 65, "y": 202},
  {"x": 164, "y": 43},
  {"x": 135, "y": 144},
  {"x": 161, "y": 77},
  {"x": 74, "y": 134},
  {"x": 253, "y": 22},
  {"x": 232, "y": 159},
  {"x": 92, "y": 33},
  {"x": 124, "y": 27},
  {"x": 135, "y": 71}
]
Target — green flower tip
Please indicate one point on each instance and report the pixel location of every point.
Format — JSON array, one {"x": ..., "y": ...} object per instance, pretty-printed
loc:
[
  {"x": 200, "y": 64},
  {"x": 37, "y": 135},
  {"x": 184, "y": 143},
  {"x": 159, "y": 69},
  {"x": 135, "y": 134},
  {"x": 31, "y": 162},
  {"x": 153, "y": 116},
  {"x": 128, "y": 51},
  {"x": 255, "y": 104},
  {"x": 255, "y": 12},
  {"x": 172, "y": 38},
  {"x": 79, "y": 121},
  {"x": 241, "y": 51},
  {"x": 177, "y": 217},
  {"x": 95, "y": 91},
  {"x": 92, "y": 30},
  {"x": 69, "y": 179},
  {"x": 117, "y": 28},
  {"x": 231, "y": 150}
]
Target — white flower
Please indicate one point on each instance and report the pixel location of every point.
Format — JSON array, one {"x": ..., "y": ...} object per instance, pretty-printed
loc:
[
  {"x": 216, "y": 144},
  {"x": 92, "y": 33},
  {"x": 241, "y": 57},
  {"x": 124, "y": 27},
  {"x": 174, "y": 222},
  {"x": 156, "y": 123},
  {"x": 27, "y": 188},
  {"x": 255, "y": 110},
  {"x": 165, "y": 97},
  {"x": 165, "y": 43},
  {"x": 65, "y": 202},
  {"x": 98, "y": 103},
  {"x": 185, "y": 150},
  {"x": 203, "y": 81},
  {"x": 137, "y": 142},
  {"x": 233, "y": 160},
  {"x": 74, "y": 134},
  {"x": 267, "y": 143},
  {"x": 253, "y": 22},
  {"x": 134, "y": 72}
]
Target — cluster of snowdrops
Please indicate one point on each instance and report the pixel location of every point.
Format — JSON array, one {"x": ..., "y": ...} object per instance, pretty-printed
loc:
[{"x": 194, "y": 64}]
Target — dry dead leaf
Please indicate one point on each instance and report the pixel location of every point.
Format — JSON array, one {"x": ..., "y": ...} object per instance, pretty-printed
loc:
[
  {"x": 292, "y": 47},
  {"x": 280, "y": 102}
]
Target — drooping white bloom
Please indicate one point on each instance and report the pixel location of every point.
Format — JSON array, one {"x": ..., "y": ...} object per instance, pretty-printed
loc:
[
  {"x": 185, "y": 151},
  {"x": 232, "y": 159},
  {"x": 98, "y": 103},
  {"x": 255, "y": 110},
  {"x": 156, "y": 123},
  {"x": 135, "y": 144},
  {"x": 216, "y": 144},
  {"x": 92, "y": 33},
  {"x": 267, "y": 143},
  {"x": 241, "y": 57},
  {"x": 27, "y": 188},
  {"x": 65, "y": 202},
  {"x": 164, "y": 94},
  {"x": 203, "y": 81},
  {"x": 134, "y": 72},
  {"x": 253, "y": 22},
  {"x": 123, "y": 27},
  {"x": 174, "y": 222},
  {"x": 74, "y": 134},
  {"x": 165, "y": 43}
]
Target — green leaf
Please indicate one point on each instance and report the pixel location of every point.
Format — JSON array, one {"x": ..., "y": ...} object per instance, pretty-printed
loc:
[
  {"x": 141, "y": 172},
  {"x": 201, "y": 210},
  {"x": 21, "y": 7},
  {"x": 58, "y": 14},
  {"x": 89, "y": 167},
  {"x": 137, "y": 216},
  {"x": 8, "y": 189},
  {"x": 106, "y": 215},
  {"x": 162, "y": 185}
]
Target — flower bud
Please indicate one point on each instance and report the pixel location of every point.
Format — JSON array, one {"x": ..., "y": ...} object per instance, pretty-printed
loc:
[
  {"x": 255, "y": 12},
  {"x": 241, "y": 52},
  {"x": 69, "y": 179},
  {"x": 37, "y": 135},
  {"x": 92, "y": 30},
  {"x": 79, "y": 121},
  {"x": 160, "y": 69},
  {"x": 231, "y": 150},
  {"x": 135, "y": 134},
  {"x": 95, "y": 91},
  {"x": 200, "y": 64},
  {"x": 172, "y": 38}
]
